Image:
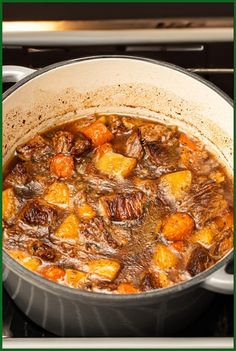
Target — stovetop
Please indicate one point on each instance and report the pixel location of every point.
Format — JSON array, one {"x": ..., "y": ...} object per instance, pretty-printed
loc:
[{"x": 213, "y": 60}]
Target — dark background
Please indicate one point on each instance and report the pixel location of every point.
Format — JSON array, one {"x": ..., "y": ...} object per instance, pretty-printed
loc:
[{"x": 92, "y": 11}]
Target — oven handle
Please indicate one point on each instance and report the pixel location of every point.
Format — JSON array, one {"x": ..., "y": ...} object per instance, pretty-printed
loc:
[
  {"x": 220, "y": 282},
  {"x": 13, "y": 74}
]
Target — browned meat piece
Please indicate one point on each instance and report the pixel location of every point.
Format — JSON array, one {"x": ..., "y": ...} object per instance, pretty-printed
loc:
[
  {"x": 223, "y": 242},
  {"x": 18, "y": 176},
  {"x": 96, "y": 237},
  {"x": 38, "y": 212},
  {"x": 42, "y": 250},
  {"x": 81, "y": 144},
  {"x": 133, "y": 146},
  {"x": 205, "y": 201},
  {"x": 62, "y": 142},
  {"x": 119, "y": 234},
  {"x": 121, "y": 207},
  {"x": 198, "y": 261},
  {"x": 149, "y": 282},
  {"x": 163, "y": 156},
  {"x": 151, "y": 132},
  {"x": 115, "y": 124},
  {"x": 35, "y": 149}
]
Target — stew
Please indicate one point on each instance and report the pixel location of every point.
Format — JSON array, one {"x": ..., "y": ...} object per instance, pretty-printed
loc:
[{"x": 117, "y": 204}]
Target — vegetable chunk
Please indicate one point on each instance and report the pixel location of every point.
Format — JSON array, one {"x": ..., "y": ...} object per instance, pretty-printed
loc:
[
  {"x": 62, "y": 166},
  {"x": 178, "y": 226},
  {"x": 29, "y": 262},
  {"x": 8, "y": 204},
  {"x": 126, "y": 288},
  {"x": 205, "y": 235},
  {"x": 54, "y": 273},
  {"x": 107, "y": 269},
  {"x": 69, "y": 228},
  {"x": 175, "y": 185},
  {"x": 163, "y": 257},
  {"x": 58, "y": 194},
  {"x": 74, "y": 277},
  {"x": 98, "y": 133},
  {"x": 115, "y": 165},
  {"x": 86, "y": 212}
]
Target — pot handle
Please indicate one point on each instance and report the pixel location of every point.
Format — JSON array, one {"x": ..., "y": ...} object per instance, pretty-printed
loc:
[
  {"x": 220, "y": 282},
  {"x": 13, "y": 74}
]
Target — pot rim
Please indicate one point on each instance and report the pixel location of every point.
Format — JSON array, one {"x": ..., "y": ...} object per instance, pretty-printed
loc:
[{"x": 58, "y": 289}]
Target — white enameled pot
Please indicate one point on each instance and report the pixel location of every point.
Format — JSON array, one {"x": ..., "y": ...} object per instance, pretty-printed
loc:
[{"x": 129, "y": 85}]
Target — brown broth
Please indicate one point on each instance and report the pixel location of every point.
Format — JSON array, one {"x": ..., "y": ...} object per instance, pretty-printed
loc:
[{"x": 114, "y": 222}]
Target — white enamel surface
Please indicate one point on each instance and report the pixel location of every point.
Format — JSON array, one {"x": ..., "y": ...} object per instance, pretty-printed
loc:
[{"x": 94, "y": 74}]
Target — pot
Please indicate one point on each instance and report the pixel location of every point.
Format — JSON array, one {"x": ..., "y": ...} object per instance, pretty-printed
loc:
[{"x": 130, "y": 85}]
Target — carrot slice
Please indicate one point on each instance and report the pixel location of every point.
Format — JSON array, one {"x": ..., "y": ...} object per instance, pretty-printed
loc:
[
  {"x": 53, "y": 273},
  {"x": 126, "y": 288},
  {"x": 98, "y": 133},
  {"x": 62, "y": 166},
  {"x": 184, "y": 140}
]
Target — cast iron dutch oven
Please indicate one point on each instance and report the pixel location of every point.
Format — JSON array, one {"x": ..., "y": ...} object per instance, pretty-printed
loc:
[{"x": 138, "y": 86}]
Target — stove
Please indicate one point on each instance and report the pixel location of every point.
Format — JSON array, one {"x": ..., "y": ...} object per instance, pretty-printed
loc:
[{"x": 198, "y": 37}]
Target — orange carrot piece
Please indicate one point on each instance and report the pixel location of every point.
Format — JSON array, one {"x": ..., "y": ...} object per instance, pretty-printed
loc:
[
  {"x": 98, "y": 133},
  {"x": 126, "y": 288},
  {"x": 62, "y": 165},
  {"x": 178, "y": 246},
  {"x": 53, "y": 273},
  {"x": 184, "y": 140}
]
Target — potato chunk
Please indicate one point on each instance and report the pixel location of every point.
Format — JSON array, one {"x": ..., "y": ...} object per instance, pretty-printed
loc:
[
  {"x": 114, "y": 164},
  {"x": 205, "y": 235},
  {"x": 163, "y": 281},
  {"x": 58, "y": 194},
  {"x": 86, "y": 212},
  {"x": 174, "y": 185},
  {"x": 107, "y": 269},
  {"x": 178, "y": 226},
  {"x": 69, "y": 228},
  {"x": 163, "y": 257},
  {"x": 8, "y": 204},
  {"x": 98, "y": 133},
  {"x": 31, "y": 263},
  {"x": 74, "y": 277}
]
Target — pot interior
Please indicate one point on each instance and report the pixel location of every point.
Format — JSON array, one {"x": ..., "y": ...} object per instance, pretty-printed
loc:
[{"x": 118, "y": 85}]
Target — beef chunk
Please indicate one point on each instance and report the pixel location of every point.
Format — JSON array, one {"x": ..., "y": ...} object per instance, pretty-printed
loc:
[
  {"x": 62, "y": 142},
  {"x": 115, "y": 124},
  {"x": 18, "y": 176},
  {"x": 35, "y": 149},
  {"x": 42, "y": 250},
  {"x": 163, "y": 156},
  {"x": 198, "y": 261},
  {"x": 81, "y": 144},
  {"x": 133, "y": 146},
  {"x": 38, "y": 212},
  {"x": 204, "y": 195},
  {"x": 121, "y": 207},
  {"x": 151, "y": 132},
  {"x": 149, "y": 282},
  {"x": 96, "y": 237}
]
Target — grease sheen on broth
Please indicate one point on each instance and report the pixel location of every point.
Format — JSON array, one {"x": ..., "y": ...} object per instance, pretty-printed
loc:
[{"x": 116, "y": 204}]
